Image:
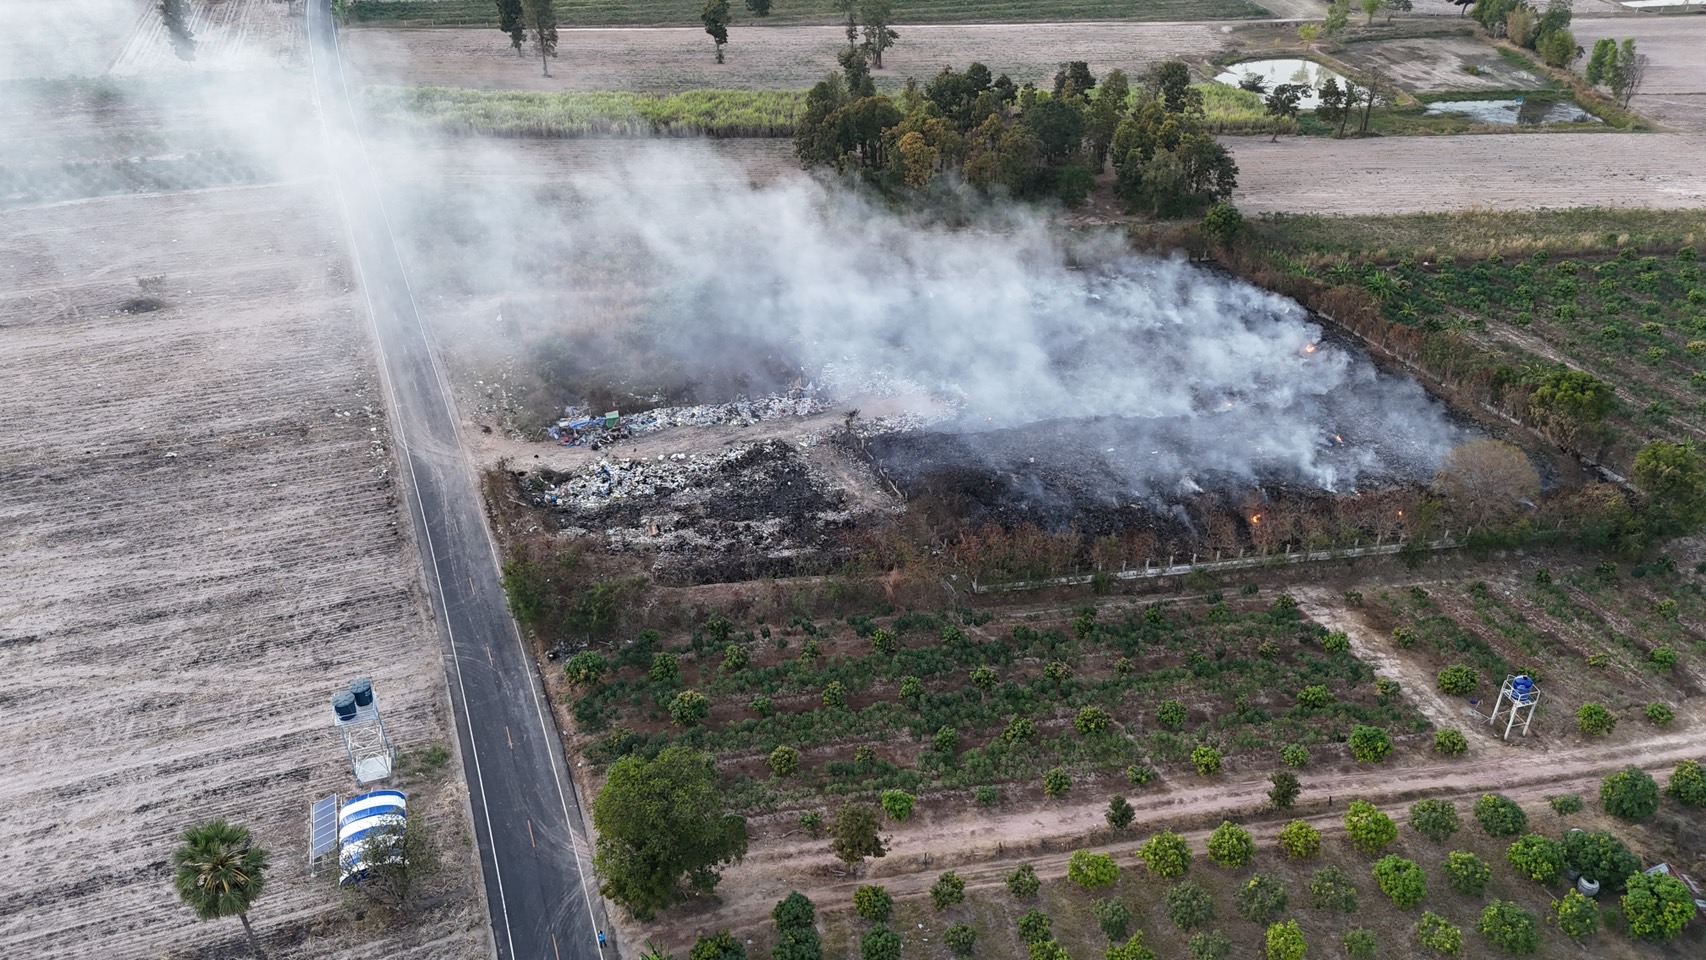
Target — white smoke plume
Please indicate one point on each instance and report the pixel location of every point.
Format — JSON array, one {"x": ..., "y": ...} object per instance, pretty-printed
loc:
[{"x": 1182, "y": 377}]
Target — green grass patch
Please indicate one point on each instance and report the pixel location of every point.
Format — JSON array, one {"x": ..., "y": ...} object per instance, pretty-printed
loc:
[
  {"x": 1521, "y": 61},
  {"x": 514, "y": 113},
  {"x": 1233, "y": 110},
  {"x": 643, "y": 13}
]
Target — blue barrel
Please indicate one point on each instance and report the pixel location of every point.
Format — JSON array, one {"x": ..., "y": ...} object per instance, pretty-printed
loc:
[
  {"x": 344, "y": 705},
  {"x": 1522, "y": 689},
  {"x": 362, "y": 690}
]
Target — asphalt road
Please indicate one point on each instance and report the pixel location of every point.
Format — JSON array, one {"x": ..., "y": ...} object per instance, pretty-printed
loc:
[{"x": 535, "y": 860}]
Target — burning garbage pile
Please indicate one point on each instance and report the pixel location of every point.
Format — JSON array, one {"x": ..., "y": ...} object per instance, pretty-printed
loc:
[
  {"x": 579, "y": 427},
  {"x": 1036, "y": 375}
]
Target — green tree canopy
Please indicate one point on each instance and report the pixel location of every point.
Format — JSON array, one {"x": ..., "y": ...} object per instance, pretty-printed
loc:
[
  {"x": 219, "y": 872},
  {"x": 1401, "y": 880},
  {"x": 854, "y": 834},
  {"x": 663, "y": 830},
  {"x": 1166, "y": 854},
  {"x": 1687, "y": 783},
  {"x": 715, "y": 16},
  {"x": 1434, "y": 818},
  {"x": 1538, "y": 858},
  {"x": 1674, "y": 481},
  {"x": 1599, "y": 855},
  {"x": 1285, "y": 941},
  {"x": 721, "y": 945},
  {"x": 1630, "y": 793},
  {"x": 1509, "y": 927},
  {"x": 1499, "y": 815},
  {"x": 1467, "y": 873},
  {"x": 1092, "y": 871},
  {"x": 1657, "y": 907},
  {"x": 1371, "y": 830},
  {"x": 510, "y": 21},
  {"x": 1231, "y": 845}
]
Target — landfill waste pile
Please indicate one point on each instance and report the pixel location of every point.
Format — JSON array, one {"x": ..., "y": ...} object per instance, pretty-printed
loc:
[
  {"x": 579, "y": 427},
  {"x": 759, "y": 509}
]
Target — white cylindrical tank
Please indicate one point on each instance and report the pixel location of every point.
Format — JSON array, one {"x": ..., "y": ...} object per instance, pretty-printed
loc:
[{"x": 358, "y": 821}]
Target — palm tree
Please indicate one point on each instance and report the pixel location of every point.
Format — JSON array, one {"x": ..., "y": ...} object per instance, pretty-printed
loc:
[{"x": 219, "y": 874}]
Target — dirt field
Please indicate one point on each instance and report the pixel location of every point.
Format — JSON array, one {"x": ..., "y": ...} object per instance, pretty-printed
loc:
[
  {"x": 1495, "y": 171},
  {"x": 790, "y": 58},
  {"x": 1675, "y": 90},
  {"x": 202, "y": 541},
  {"x": 200, "y": 534},
  {"x": 1391, "y": 175},
  {"x": 545, "y": 161},
  {"x": 1428, "y": 64},
  {"x": 230, "y": 35}
]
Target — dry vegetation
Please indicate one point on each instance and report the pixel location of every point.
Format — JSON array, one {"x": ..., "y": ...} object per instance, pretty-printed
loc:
[{"x": 783, "y": 58}]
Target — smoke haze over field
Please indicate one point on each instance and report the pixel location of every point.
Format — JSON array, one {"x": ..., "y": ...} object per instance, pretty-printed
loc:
[{"x": 1190, "y": 377}]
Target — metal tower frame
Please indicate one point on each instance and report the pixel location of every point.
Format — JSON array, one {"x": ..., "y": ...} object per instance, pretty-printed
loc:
[
  {"x": 1519, "y": 703},
  {"x": 371, "y": 755}
]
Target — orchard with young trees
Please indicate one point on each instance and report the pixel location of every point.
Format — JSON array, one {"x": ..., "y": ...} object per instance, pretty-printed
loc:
[{"x": 1023, "y": 142}]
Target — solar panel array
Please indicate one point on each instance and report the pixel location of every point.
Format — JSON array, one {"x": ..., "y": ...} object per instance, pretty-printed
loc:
[{"x": 322, "y": 827}]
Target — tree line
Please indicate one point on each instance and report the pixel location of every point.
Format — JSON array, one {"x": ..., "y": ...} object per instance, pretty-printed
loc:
[{"x": 1021, "y": 141}]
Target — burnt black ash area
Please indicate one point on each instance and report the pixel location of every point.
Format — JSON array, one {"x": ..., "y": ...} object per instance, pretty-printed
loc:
[
  {"x": 1108, "y": 474},
  {"x": 755, "y": 511}
]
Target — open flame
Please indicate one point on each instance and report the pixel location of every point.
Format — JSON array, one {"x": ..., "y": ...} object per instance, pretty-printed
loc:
[
  {"x": 1338, "y": 439},
  {"x": 1255, "y": 518},
  {"x": 1310, "y": 347}
]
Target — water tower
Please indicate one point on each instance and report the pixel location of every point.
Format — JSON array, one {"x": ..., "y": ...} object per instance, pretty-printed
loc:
[
  {"x": 370, "y": 751},
  {"x": 1517, "y": 695}
]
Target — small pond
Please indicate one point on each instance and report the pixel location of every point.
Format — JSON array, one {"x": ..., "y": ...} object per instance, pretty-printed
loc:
[
  {"x": 1269, "y": 74},
  {"x": 1527, "y": 113}
]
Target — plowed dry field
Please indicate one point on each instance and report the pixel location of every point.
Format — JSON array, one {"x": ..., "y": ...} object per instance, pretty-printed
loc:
[
  {"x": 201, "y": 544},
  {"x": 672, "y": 59}
]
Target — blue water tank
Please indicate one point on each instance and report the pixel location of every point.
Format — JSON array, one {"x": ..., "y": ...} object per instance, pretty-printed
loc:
[
  {"x": 344, "y": 704},
  {"x": 1522, "y": 689},
  {"x": 363, "y": 692}
]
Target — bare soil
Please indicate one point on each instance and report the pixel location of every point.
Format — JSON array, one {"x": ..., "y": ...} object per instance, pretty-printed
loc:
[
  {"x": 199, "y": 532},
  {"x": 561, "y": 161},
  {"x": 1428, "y": 64},
  {"x": 203, "y": 543},
  {"x": 669, "y": 60},
  {"x": 1675, "y": 89},
  {"x": 1493, "y": 171},
  {"x": 230, "y": 35}
]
